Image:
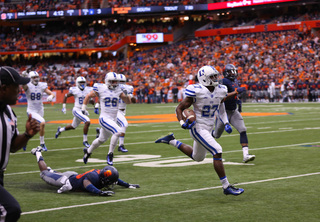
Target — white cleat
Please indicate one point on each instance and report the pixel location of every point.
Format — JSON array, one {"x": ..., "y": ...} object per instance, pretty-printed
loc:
[{"x": 248, "y": 158}]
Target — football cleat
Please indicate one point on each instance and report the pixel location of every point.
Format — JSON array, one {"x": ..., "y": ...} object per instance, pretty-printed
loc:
[
  {"x": 37, "y": 149},
  {"x": 24, "y": 148},
  {"x": 44, "y": 147},
  {"x": 122, "y": 149},
  {"x": 98, "y": 132},
  {"x": 86, "y": 144},
  {"x": 248, "y": 158},
  {"x": 166, "y": 139},
  {"x": 86, "y": 155},
  {"x": 233, "y": 190},
  {"x": 110, "y": 159},
  {"x": 58, "y": 132}
]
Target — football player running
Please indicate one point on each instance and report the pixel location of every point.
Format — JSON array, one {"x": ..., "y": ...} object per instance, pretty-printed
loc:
[
  {"x": 234, "y": 116},
  {"x": 95, "y": 181},
  {"x": 207, "y": 100},
  {"x": 34, "y": 91},
  {"x": 79, "y": 92},
  {"x": 121, "y": 119},
  {"x": 109, "y": 95}
]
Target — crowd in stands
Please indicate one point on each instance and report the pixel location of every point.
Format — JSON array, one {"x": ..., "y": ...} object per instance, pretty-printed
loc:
[
  {"x": 285, "y": 64},
  {"x": 274, "y": 66},
  {"x": 40, "y": 5},
  {"x": 69, "y": 35}
]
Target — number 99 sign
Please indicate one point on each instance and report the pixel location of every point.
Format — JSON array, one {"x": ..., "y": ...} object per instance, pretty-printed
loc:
[{"x": 149, "y": 37}]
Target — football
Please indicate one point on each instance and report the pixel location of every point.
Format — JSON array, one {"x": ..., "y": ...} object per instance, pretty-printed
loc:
[{"x": 189, "y": 114}]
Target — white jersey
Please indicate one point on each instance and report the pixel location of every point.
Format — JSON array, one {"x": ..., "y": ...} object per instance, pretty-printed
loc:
[
  {"x": 79, "y": 95},
  {"x": 34, "y": 96},
  {"x": 206, "y": 104},
  {"x": 109, "y": 99},
  {"x": 129, "y": 89}
]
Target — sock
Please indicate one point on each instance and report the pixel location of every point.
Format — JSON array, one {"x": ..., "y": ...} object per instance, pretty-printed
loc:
[
  {"x": 62, "y": 129},
  {"x": 245, "y": 151},
  {"x": 94, "y": 145},
  {"x": 121, "y": 140},
  {"x": 41, "y": 139},
  {"x": 39, "y": 156},
  {"x": 113, "y": 142},
  {"x": 225, "y": 182},
  {"x": 85, "y": 137},
  {"x": 175, "y": 143}
]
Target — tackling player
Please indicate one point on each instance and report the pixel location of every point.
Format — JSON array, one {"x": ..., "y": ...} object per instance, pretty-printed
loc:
[
  {"x": 79, "y": 93},
  {"x": 34, "y": 91},
  {"x": 207, "y": 100},
  {"x": 234, "y": 116},
  {"x": 109, "y": 95},
  {"x": 94, "y": 181}
]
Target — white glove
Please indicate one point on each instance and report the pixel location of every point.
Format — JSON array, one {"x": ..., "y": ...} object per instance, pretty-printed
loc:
[
  {"x": 84, "y": 110},
  {"x": 50, "y": 98},
  {"x": 133, "y": 186},
  {"x": 25, "y": 74},
  {"x": 64, "y": 110},
  {"x": 66, "y": 187}
]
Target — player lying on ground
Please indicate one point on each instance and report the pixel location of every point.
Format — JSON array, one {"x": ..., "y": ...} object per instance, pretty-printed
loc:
[{"x": 94, "y": 181}]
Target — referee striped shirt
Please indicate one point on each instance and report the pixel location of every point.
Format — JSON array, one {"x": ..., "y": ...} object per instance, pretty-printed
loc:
[{"x": 8, "y": 131}]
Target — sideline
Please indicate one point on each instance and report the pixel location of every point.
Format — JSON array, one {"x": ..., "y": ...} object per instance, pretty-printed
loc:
[{"x": 166, "y": 194}]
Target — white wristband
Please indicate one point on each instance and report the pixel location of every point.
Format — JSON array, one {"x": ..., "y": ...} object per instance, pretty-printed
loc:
[
  {"x": 83, "y": 107},
  {"x": 64, "y": 105},
  {"x": 181, "y": 122},
  {"x": 97, "y": 105}
]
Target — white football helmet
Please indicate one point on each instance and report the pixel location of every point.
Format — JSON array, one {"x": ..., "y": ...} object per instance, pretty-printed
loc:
[
  {"x": 111, "y": 80},
  {"x": 81, "y": 82},
  {"x": 122, "y": 78},
  {"x": 208, "y": 76},
  {"x": 34, "y": 76}
]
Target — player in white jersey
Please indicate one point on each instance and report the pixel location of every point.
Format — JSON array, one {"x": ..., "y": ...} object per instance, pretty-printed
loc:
[
  {"x": 207, "y": 100},
  {"x": 34, "y": 91},
  {"x": 121, "y": 118},
  {"x": 121, "y": 115},
  {"x": 79, "y": 92},
  {"x": 109, "y": 95}
]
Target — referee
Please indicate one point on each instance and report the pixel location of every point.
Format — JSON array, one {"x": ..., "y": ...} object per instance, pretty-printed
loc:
[{"x": 10, "y": 139}]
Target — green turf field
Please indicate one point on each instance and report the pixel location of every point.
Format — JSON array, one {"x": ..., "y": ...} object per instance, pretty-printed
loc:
[{"x": 281, "y": 184}]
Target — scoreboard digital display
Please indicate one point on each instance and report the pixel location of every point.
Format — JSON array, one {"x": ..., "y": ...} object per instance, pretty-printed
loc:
[
  {"x": 139, "y": 10},
  {"x": 149, "y": 37}
]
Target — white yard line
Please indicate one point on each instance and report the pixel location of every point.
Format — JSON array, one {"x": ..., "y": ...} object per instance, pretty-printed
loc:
[
  {"x": 155, "y": 159},
  {"x": 165, "y": 194}
]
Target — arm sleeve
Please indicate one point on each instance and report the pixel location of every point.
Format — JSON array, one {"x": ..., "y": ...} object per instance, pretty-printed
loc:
[
  {"x": 92, "y": 189},
  {"x": 222, "y": 114},
  {"x": 122, "y": 183}
]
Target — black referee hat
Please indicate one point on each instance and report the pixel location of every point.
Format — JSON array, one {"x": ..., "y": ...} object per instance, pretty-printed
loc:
[{"x": 9, "y": 75}]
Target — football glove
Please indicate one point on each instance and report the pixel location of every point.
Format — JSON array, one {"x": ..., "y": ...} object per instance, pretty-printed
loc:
[
  {"x": 241, "y": 89},
  {"x": 84, "y": 110},
  {"x": 186, "y": 124},
  {"x": 106, "y": 193},
  {"x": 228, "y": 128},
  {"x": 50, "y": 98},
  {"x": 64, "y": 110},
  {"x": 96, "y": 109},
  {"x": 133, "y": 186}
]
